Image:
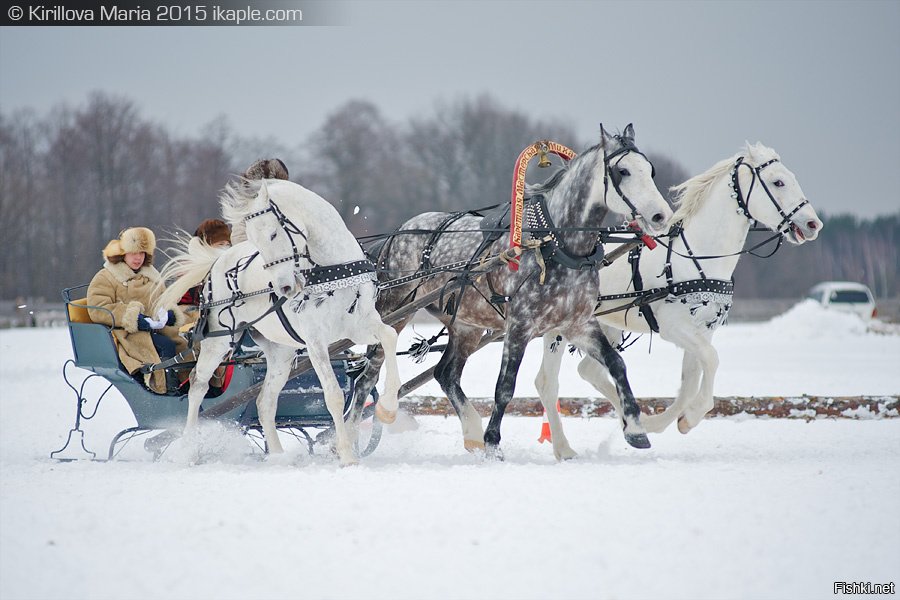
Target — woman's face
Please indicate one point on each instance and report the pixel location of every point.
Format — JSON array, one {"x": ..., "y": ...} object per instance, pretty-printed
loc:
[{"x": 134, "y": 260}]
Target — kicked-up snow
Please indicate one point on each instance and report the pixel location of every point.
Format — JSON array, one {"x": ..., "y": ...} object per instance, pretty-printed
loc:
[{"x": 739, "y": 508}]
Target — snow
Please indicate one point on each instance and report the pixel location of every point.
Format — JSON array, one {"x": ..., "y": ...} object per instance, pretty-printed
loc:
[{"x": 739, "y": 508}]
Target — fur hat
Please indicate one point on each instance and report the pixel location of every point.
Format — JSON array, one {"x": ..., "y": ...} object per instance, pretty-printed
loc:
[
  {"x": 213, "y": 231},
  {"x": 133, "y": 239},
  {"x": 266, "y": 168}
]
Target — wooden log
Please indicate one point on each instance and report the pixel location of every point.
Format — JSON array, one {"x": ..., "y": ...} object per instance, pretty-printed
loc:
[{"x": 780, "y": 407}]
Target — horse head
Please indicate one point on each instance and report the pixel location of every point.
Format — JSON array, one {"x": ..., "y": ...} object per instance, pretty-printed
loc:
[
  {"x": 628, "y": 186},
  {"x": 768, "y": 192},
  {"x": 281, "y": 242}
]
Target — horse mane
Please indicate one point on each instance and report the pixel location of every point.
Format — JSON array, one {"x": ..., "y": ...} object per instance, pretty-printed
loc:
[
  {"x": 235, "y": 204},
  {"x": 690, "y": 195},
  {"x": 190, "y": 259},
  {"x": 548, "y": 185}
]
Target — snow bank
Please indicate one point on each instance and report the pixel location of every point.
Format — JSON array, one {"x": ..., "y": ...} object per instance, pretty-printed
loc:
[{"x": 810, "y": 319}]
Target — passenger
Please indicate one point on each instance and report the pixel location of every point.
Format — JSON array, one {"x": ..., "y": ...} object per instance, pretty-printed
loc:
[
  {"x": 217, "y": 234},
  {"x": 267, "y": 168},
  {"x": 124, "y": 287}
]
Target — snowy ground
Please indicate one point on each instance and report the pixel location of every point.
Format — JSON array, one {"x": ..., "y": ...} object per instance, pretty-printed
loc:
[{"x": 740, "y": 508}]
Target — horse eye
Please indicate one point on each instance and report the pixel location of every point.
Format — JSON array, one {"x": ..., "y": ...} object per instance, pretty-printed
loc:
[
  {"x": 624, "y": 172},
  {"x": 778, "y": 183},
  {"x": 272, "y": 237}
]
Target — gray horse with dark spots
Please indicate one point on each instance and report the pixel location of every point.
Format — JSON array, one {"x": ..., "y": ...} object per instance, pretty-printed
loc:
[{"x": 557, "y": 293}]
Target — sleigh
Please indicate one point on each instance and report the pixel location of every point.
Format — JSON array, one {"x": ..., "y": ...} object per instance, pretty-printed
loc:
[{"x": 301, "y": 409}]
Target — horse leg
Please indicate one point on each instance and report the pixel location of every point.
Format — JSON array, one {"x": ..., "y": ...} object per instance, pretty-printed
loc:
[
  {"x": 591, "y": 340},
  {"x": 362, "y": 387},
  {"x": 597, "y": 375},
  {"x": 704, "y": 400},
  {"x": 386, "y": 409},
  {"x": 690, "y": 381},
  {"x": 547, "y": 384},
  {"x": 278, "y": 369},
  {"x": 334, "y": 400},
  {"x": 212, "y": 352},
  {"x": 447, "y": 372},
  {"x": 366, "y": 381},
  {"x": 513, "y": 350}
]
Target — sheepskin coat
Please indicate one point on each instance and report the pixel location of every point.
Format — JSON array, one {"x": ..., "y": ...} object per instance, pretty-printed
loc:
[{"x": 125, "y": 294}]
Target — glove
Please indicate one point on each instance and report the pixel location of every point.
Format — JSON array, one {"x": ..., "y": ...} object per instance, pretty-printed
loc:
[
  {"x": 143, "y": 324},
  {"x": 160, "y": 321},
  {"x": 166, "y": 317}
]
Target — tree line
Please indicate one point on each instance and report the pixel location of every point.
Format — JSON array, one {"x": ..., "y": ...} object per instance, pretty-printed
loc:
[{"x": 71, "y": 179}]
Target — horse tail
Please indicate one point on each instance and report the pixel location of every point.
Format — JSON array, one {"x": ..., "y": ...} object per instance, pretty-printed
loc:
[{"x": 188, "y": 265}]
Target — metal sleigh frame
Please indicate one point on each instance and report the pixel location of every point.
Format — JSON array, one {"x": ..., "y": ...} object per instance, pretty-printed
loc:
[{"x": 300, "y": 407}]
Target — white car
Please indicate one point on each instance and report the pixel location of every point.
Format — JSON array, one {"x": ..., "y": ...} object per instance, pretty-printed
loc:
[{"x": 845, "y": 296}]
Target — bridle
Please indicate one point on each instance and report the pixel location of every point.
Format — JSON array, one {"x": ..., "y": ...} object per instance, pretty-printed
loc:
[
  {"x": 611, "y": 173},
  {"x": 290, "y": 228},
  {"x": 704, "y": 289},
  {"x": 744, "y": 205}
]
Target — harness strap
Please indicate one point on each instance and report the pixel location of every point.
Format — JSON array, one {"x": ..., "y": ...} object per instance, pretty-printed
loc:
[
  {"x": 284, "y": 320},
  {"x": 198, "y": 333},
  {"x": 644, "y": 310},
  {"x": 543, "y": 227}
]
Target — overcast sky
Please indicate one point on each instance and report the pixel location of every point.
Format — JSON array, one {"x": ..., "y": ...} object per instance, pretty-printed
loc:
[{"x": 817, "y": 81}]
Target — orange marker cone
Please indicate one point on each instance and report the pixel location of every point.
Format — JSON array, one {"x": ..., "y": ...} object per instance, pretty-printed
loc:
[{"x": 545, "y": 428}]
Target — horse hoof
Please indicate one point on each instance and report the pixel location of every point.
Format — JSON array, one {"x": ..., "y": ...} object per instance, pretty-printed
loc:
[
  {"x": 637, "y": 440},
  {"x": 385, "y": 416},
  {"x": 473, "y": 445},
  {"x": 683, "y": 426},
  {"x": 493, "y": 453},
  {"x": 566, "y": 455}
]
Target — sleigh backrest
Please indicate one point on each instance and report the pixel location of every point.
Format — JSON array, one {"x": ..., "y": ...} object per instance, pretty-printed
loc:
[{"x": 92, "y": 343}]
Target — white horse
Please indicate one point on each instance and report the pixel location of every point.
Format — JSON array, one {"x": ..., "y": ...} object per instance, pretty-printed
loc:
[
  {"x": 714, "y": 213},
  {"x": 301, "y": 280}
]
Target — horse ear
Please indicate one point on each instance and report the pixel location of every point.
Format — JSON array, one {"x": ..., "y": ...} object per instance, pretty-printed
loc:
[
  {"x": 263, "y": 189},
  {"x": 629, "y": 132},
  {"x": 751, "y": 149},
  {"x": 603, "y": 136}
]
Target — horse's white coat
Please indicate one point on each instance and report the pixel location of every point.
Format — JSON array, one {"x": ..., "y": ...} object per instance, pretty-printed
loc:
[
  {"x": 318, "y": 320},
  {"x": 713, "y": 226}
]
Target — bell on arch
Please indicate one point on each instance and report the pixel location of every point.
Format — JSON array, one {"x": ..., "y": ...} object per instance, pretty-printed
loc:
[{"x": 544, "y": 161}]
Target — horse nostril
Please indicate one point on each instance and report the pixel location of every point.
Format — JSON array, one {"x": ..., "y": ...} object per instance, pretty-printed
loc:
[
  {"x": 812, "y": 225},
  {"x": 285, "y": 289},
  {"x": 659, "y": 218}
]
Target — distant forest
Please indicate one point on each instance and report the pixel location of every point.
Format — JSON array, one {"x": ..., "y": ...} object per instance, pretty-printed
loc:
[{"x": 70, "y": 180}]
